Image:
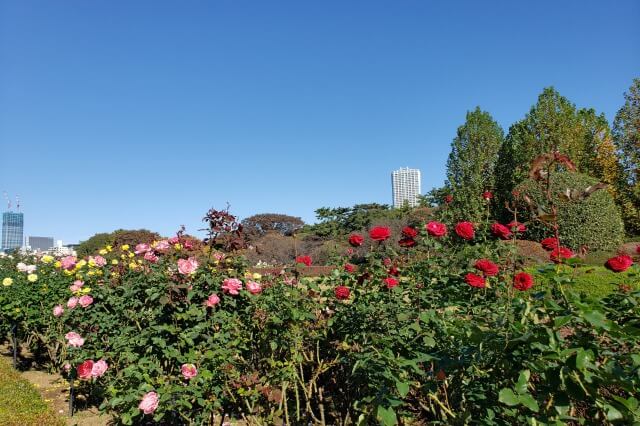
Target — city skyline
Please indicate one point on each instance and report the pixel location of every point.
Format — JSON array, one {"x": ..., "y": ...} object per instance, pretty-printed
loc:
[{"x": 147, "y": 114}]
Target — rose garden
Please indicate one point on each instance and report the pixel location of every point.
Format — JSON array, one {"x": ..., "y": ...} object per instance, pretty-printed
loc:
[
  {"x": 448, "y": 326},
  {"x": 509, "y": 296}
]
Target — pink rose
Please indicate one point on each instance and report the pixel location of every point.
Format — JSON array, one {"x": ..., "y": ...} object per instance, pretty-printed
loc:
[
  {"x": 68, "y": 262},
  {"x": 254, "y": 287},
  {"x": 67, "y": 367},
  {"x": 212, "y": 300},
  {"x": 22, "y": 267},
  {"x": 74, "y": 339},
  {"x": 174, "y": 240},
  {"x": 142, "y": 248},
  {"x": 76, "y": 286},
  {"x": 151, "y": 257},
  {"x": 149, "y": 403},
  {"x": 99, "y": 368},
  {"x": 162, "y": 246},
  {"x": 218, "y": 256},
  {"x": 85, "y": 300},
  {"x": 187, "y": 266},
  {"x": 189, "y": 371},
  {"x": 72, "y": 302},
  {"x": 58, "y": 310},
  {"x": 100, "y": 261},
  {"x": 232, "y": 285}
]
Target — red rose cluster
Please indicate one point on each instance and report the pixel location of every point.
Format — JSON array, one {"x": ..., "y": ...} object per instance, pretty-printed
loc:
[
  {"x": 465, "y": 230},
  {"x": 487, "y": 267},
  {"x": 342, "y": 292},
  {"x": 436, "y": 229},
  {"x": 501, "y": 231}
]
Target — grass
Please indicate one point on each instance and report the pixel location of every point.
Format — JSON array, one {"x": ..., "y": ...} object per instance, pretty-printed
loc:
[
  {"x": 596, "y": 281},
  {"x": 20, "y": 402}
]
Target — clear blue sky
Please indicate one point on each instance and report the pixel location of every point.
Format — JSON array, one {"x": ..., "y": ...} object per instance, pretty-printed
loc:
[{"x": 130, "y": 114}]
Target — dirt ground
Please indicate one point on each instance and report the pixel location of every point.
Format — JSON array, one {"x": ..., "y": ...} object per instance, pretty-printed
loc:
[{"x": 55, "y": 391}]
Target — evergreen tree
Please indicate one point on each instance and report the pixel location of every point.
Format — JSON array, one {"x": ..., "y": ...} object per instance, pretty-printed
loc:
[
  {"x": 626, "y": 136},
  {"x": 471, "y": 163}
]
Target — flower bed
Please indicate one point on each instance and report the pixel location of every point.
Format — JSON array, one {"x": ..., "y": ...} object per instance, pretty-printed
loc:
[{"x": 451, "y": 329}]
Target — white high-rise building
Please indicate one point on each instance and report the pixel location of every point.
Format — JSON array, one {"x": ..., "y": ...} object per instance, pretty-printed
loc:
[{"x": 406, "y": 187}]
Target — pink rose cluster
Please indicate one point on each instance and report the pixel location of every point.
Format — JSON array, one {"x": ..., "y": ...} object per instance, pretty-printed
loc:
[
  {"x": 98, "y": 260},
  {"x": 84, "y": 301},
  {"x": 89, "y": 369}
]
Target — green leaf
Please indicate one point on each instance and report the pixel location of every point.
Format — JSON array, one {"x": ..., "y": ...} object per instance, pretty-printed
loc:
[
  {"x": 597, "y": 319},
  {"x": 387, "y": 416},
  {"x": 523, "y": 379},
  {"x": 528, "y": 401},
  {"x": 506, "y": 396},
  {"x": 403, "y": 388}
]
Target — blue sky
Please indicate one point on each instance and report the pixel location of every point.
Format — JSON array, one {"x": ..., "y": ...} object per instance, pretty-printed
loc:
[{"x": 130, "y": 114}]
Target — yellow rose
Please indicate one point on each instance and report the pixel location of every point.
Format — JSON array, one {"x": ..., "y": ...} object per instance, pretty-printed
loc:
[
  {"x": 125, "y": 247},
  {"x": 92, "y": 262},
  {"x": 177, "y": 246},
  {"x": 90, "y": 273},
  {"x": 123, "y": 257},
  {"x": 131, "y": 255},
  {"x": 47, "y": 259},
  {"x": 81, "y": 263},
  {"x": 114, "y": 262},
  {"x": 57, "y": 264},
  {"x": 256, "y": 276},
  {"x": 103, "y": 252},
  {"x": 133, "y": 265},
  {"x": 32, "y": 278},
  {"x": 109, "y": 248},
  {"x": 85, "y": 290},
  {"x": 67, "y": 272},
  {"x": 7, "y": 282}
]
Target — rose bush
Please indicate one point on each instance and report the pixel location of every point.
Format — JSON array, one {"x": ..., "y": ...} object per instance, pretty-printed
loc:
[{"x": 450, "y": 330}]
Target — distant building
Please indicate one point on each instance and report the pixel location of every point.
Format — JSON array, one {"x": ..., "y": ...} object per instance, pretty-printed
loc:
[
  {"x": 40, "y": 243},
  {"x": 405, "y": 183},
  {"x": 12, "y": 230}
]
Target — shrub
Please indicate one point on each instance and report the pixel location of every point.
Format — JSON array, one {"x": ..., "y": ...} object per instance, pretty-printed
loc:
[{"x": 593, "y": 221}]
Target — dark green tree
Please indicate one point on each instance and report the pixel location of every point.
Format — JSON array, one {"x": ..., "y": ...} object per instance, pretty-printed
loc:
[
  {"x": 626, "y": 136},
  {"x": 471, "y": 163}
]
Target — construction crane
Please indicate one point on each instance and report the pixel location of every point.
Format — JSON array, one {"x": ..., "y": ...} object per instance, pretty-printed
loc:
[{"x": 6, "y": 197}]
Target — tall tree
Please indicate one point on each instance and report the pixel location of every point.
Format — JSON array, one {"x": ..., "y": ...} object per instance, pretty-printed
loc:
[
  {"x": 626, "y": 136},
  {"x": 472, "y": 161},
  {"x": 552, "y": 124}
]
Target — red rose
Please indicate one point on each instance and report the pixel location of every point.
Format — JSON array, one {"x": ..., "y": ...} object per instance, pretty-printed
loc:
[
  {"x": 516, "y": 226},
  {"x": 638, "y": 249},
  {"x": 465, "y": 230},
  {"x": 448, "y": 199},
  {"x": 304, "y": 259},
  {"x": 499, "y": 230},
  {"x": 407, "y": 242},
  {"x": 393, "y": 271},
  {"x": 379, "y": 233},
  {"x": 84, "y": 370},
  {"x": 487, "y": 195},
  {"x": 387, "y": 261},
  {"x": 475, "y": 280},
  {"x": 522, "y": 281},
  {"x": 489, "y": 268},
  {"x": 356, "y": 240},
  {"x": 349, "y": 267},
  {"x": 390, "y": 282},
  {"x": 342, "y": 292},
  {"x": 560, "y": 253},
  {"x": 436, "y": 229},
  {"x": 619, "y": 263},
  {"x": 549, "y": 243},
  {"x": 409, "y": 232}
]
